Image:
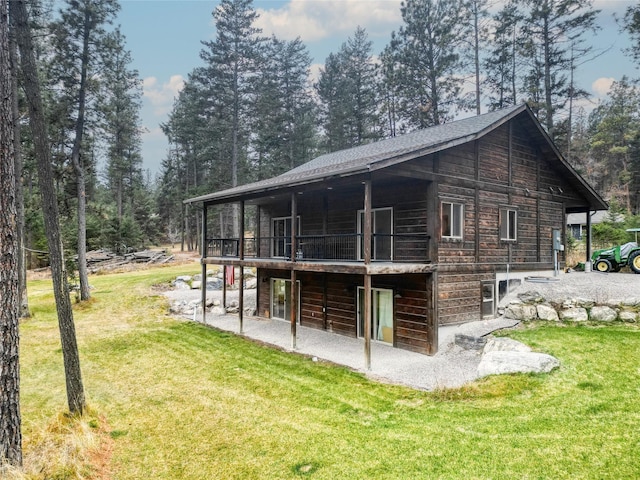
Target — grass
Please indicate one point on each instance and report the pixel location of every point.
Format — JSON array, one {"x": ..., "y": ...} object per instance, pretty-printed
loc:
[{"x": 176, "y": 400}]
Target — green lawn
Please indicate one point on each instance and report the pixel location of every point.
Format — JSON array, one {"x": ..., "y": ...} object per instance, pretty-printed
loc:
[{"x": 183, "y": 401}]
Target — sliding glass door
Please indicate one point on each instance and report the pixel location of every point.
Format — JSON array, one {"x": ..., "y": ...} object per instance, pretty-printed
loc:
[
  {"x": 381, "y": 314},
  {"x": 281, "y": 299}
]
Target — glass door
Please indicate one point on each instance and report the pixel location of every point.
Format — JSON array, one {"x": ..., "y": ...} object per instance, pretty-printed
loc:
[
  {"x": 381, "y": 314},
  {"x": 281, "y": 299},
  {"x": 282, "y": 236},
  {"x": 382, "y": 234}
]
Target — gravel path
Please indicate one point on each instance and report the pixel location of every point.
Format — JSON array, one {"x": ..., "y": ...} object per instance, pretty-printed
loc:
[
  {"x": 601, "y": 288},
  {"x": 451, "y": 367}
]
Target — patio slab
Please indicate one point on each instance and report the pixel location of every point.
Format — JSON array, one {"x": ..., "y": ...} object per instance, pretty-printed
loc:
[{"x": 451, "y": 367}]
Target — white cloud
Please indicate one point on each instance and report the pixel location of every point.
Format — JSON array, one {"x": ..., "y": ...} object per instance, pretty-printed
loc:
[
  {"x": 313, "y": 20},
  {"x": 602, "y": 86},
  {"x": 161, "y": 96}
]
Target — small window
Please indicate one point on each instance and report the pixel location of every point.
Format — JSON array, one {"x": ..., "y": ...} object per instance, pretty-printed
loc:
[
  {"x": 508, "y": 224},
  {"x": 451, "y": 220},
  {"x": 488, "y": 299}
]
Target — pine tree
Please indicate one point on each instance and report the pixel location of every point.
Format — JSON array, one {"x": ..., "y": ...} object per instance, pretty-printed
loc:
[
  {"x": 333, "y": 109},
  {"x": 232, "y": 68},
  {"x": 615, "y": 140},
  {"x": 10, "y": 420},
  {"x": 553, "y": 28},
  {"x": 348, "y": 90},
  {"x": 427, "y": 53},
  {"x": 631, "y": 23},
  {"x": 37, "y": 121},
  {"x": 119, "y": 107},
  {"x": 502, "y": 61},
  {"x": 80, "y": 41},
  {"x": 478, "y": 32},
  {"x": 284, "y": 110}
]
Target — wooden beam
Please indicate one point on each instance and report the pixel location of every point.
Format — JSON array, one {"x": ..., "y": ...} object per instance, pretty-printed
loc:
[
  {"x": 411, "y": 171},
  {"x": 367, "y": 322},
  {"x": 294, "y": 290},
  {"x": 203, "y": 254},
  {"x": 588, "y": 259},
  {"x": 367, "y": 278},
  {"x": 224, "y": 286},
  {"x": 241, "y": 276},
  {"x": 432, "y": 314},
  {"x": 294, "y": 309}
]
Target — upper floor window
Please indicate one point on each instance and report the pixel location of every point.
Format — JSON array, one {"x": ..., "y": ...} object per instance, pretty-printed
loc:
[
  {"x": 451, "y": 220},
  {"x": 508, "y": 224}
]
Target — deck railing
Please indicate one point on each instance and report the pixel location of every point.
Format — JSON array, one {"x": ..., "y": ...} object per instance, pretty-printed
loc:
[{"x": 337, "y": 247}]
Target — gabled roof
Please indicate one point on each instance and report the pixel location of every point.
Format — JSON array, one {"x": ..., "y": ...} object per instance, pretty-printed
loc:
[{"x": 384, "y": 153}]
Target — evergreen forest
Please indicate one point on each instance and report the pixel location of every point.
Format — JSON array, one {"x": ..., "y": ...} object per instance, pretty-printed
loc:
[{"x": 252, "y": 110}]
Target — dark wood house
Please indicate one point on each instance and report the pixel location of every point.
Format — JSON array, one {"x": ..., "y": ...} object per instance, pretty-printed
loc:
[{"x": 389, "y": 240}]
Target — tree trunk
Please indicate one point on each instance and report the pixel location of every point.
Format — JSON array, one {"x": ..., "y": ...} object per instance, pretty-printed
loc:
[
  {"x": 37, "y": 121},
  {"x": 78, "y": 166},
  {"x": 10, "y": 422},
  {"x": 17, "y": 150}
]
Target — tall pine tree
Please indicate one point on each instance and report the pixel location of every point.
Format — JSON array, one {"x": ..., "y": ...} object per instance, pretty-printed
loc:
[{"x": 427, "y": 55}]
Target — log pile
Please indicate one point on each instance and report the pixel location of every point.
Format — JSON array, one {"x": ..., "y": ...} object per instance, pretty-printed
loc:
[{"x": 106, "y": 260}]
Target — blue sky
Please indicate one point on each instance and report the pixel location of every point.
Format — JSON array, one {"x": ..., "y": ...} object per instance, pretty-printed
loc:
[{"x": 164, "y": 37}]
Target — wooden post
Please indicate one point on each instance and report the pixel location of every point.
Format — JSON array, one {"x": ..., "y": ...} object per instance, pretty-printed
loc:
[
  {"x": 588, "y": 259},
  {"x": 203, "y": 256},
  {"x": 432, "y": 313},
  {"x": 224, "y": 286},
  {"x": 367, "y": 278},
  {"x": 294, "y": 290},
  {"x": 241, "y": 276},
  {"x": 256, "y": 234}
]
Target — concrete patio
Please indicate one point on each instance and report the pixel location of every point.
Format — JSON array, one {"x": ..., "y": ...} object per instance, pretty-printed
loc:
[{"x": 451, "y": 367}]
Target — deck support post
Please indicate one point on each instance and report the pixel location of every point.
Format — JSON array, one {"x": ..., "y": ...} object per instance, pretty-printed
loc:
[
  {"x": 367, "y": 277},
  {"x": 587, "y": 260},
  {"x": 294, "y": 290},
  {"x": 203, "y": 255},
  {"x": 224, "y": 287},
  {"x": 241, "y": 275}
]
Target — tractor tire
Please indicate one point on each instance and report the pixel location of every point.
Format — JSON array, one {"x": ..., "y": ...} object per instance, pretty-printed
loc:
[
  {"x": 634, "y": 261},
  {"x": 602, "y": 266}
]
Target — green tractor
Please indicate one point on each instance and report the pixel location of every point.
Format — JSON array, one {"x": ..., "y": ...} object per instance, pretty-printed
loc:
[{"x": 614, "y": 258}]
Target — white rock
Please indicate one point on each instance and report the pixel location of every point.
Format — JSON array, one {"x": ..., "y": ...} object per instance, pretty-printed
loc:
[
  {"x": 628, "y": 316},
  {"x": 500, "y": 362},
  {"x": 547, "y": 312},
  {"x": 519, "y": 311},
  {"x": 574, "y": 314},
  {"x": 603, "y": 314},
  {"x": 196, "y": 285},
  {"x": 181, "y": 285},
  {"x": 184, "y": 278},
  {"x": 504, "y": 344}
]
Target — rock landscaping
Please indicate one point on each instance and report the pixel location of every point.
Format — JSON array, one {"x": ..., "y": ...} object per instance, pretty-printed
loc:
[
  {"x": 189, "y": 301},
  {"x": 531, "y": 306}
]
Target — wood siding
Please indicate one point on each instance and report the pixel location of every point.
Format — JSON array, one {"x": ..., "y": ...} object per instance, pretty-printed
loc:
[{"x": 504, "y": 168}]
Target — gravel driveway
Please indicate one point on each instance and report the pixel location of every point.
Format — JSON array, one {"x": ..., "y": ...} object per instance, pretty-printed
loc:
[{"x": 601, "y": 288}]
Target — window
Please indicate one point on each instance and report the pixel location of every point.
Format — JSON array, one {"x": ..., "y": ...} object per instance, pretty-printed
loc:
[
  {"x": 488, "y": 299},
  {"x": 508, "y": 224},
  {"x": 451, "y": 220}
]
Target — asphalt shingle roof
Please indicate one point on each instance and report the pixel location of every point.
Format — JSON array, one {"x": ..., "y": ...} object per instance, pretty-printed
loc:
[{"x": 389, "y": 151}]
